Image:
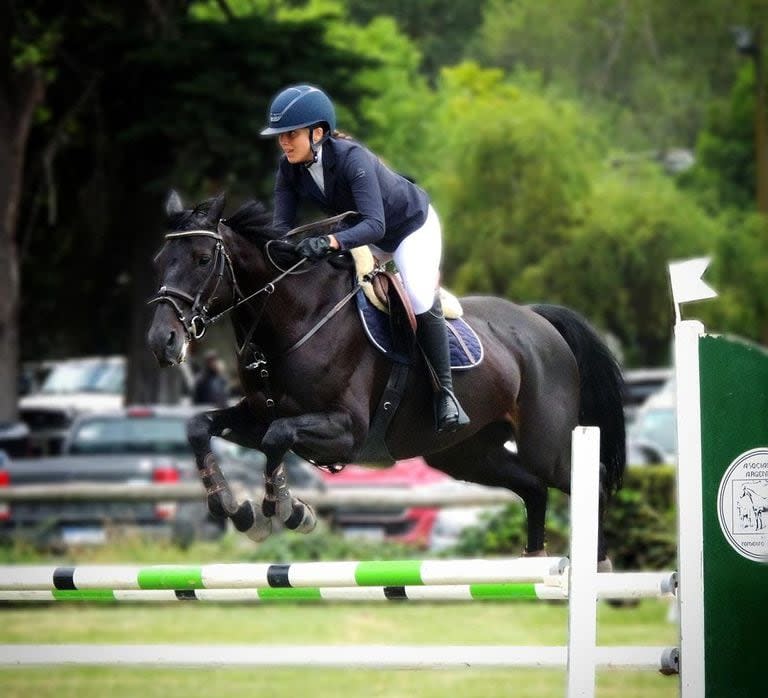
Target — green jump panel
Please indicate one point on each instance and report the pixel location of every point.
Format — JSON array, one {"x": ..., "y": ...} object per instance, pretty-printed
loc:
[{"x": 734, "y": 442}]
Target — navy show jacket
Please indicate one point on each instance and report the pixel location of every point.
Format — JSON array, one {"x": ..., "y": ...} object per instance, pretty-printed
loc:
[{"x": 391, "y": 207}]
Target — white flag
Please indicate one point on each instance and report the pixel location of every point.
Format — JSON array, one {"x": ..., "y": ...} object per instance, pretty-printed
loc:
[{"x": 685, "y": 278}]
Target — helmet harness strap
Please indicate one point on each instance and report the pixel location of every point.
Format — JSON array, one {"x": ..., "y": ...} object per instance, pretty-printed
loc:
[{"x": 315, "y": 145}]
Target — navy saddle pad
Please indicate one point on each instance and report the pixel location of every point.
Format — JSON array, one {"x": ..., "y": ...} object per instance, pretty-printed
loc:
[{"x": 465, "y": 346}]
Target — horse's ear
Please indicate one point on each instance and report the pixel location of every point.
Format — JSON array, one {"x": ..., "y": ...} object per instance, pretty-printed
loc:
[
  {"x": 173, "y": 204},
  {"x": 217, "y": 208}
]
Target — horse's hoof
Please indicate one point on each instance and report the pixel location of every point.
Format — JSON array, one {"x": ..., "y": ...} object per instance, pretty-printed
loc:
[
  {"x": 215, "y": 509},
  {"x": 250, "y": 520},
  {"x": 604, "y": 565},
  {"x": 302, "y": 518}
]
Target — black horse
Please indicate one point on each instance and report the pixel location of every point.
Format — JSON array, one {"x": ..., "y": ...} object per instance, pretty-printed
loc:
[{"x": 312, "y": 380}]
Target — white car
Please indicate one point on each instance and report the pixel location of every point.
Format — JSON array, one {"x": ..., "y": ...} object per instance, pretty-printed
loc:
[
  {"x": 451, "y": 522},
  {"x": 72, "y": 387},
  {"x": 652, "y": 435}
]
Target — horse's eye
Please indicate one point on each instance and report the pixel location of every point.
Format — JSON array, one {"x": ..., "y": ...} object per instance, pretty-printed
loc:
[{"x": 203, "y": 261}]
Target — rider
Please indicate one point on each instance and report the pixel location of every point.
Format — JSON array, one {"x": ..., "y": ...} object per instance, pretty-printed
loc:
[{"x": 339, "y": 175}]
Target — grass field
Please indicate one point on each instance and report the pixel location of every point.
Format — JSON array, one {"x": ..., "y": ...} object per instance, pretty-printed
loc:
[{"x": 491, "y": 623}]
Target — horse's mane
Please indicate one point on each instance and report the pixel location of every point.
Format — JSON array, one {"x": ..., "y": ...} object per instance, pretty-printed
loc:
[{"x": 253, "y": 222}]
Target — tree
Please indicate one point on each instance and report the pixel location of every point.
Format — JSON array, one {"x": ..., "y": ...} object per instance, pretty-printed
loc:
[
  {"x": 25, "y": 44},
  {"x": 613, "y": 265},
  {"x": 724, "y": 173},
  {"x": 394, "y": 99},
  {"x": 511, "y": 167},
  {"x": 145, "y": 97},
  {"x": 652, "y": 66},
  {"x": 439, "y": 27}
]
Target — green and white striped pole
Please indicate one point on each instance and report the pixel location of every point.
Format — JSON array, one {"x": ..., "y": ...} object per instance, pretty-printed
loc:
[
  {"x": 297, "y": 575},
  {"x": 617, "y": 585}
]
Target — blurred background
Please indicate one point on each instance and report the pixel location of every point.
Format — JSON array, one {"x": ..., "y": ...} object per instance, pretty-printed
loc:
[{"x": 571, "y": 149}]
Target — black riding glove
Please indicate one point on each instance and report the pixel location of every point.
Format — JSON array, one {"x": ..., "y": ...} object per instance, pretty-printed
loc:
[{"x": 315, "y": 248}]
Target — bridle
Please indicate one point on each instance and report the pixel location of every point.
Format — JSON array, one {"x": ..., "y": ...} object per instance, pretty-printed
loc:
[{"x": 199, "y": 320}]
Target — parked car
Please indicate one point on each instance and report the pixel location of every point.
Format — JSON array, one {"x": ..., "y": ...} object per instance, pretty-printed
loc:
[
  {"x": 140, "y": 445},
  {"x": 451, "y": 522},
  {"x": 652, "y": 436},
  {"x": 71, "y": 387},
  {"x": 411, "y": 525},
  {"x": 14, "y": 438},
  {"x": 640, "y": 384}
]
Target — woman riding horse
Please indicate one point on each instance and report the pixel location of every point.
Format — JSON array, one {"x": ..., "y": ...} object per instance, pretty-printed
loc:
[
  {"x": 312, "y": 379},
  {"x": 341, "y": 175}
]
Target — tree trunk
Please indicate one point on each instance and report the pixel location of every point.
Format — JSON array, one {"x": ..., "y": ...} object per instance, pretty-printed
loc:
[
  {"x": 20, "y": 94},
  {"x": 147, "y": 383}
]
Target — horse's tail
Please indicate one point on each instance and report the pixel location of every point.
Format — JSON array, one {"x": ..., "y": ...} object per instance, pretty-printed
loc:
[{"x": 601, "y": 387}]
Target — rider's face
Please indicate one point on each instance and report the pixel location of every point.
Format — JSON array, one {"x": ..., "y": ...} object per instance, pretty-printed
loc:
[{"x": 295, "y": 145}]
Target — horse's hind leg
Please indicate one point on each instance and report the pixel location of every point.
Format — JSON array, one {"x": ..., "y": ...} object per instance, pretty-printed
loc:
[
  {"x": 483, "y": 459},
  {"x": 548, "y": 451},
  {"x": 222, "y": 503}
]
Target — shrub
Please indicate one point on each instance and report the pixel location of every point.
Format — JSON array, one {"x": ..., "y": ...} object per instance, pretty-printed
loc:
[{"x": 640, "y": 525}]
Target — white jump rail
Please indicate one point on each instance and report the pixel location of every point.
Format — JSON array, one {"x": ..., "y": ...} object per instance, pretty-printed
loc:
[
  {"x": 331, "y": 657},
  {"x": 453, "y": 494}
]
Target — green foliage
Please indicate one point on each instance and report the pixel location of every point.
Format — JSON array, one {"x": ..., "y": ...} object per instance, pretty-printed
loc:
[
  {"x": 514, "y": 165},
  {"x": 512, "y": 150},
  {"x": 633, "y": 222},
  {"x": 441, "y": 28},
  {"x": 282, "y": 546},
  {"x": 33, "y": 40},
  {"x": 724, "y": 173},
  {"x": 640, "y": 525},
  {"x": 656, "y": 64},
  {"x": 136, "y": 108},
  {"x": 326, "y": 545},
  {"x": 740, "y": 275},
  {"x": 393, "y": 96},
  {"x": 206, "y": 125}
]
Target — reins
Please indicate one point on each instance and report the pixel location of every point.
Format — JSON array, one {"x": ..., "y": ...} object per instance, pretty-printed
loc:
[{"x": 200, "y": 320}]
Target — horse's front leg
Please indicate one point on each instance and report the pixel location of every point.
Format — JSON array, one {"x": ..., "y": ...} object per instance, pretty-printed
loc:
[
  {"x": 327, "y": 436},
  {"x": 222, "y": 503}
]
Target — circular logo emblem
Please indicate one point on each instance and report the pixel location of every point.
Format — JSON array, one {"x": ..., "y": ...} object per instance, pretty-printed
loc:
[{"x": 742, "y": 504}]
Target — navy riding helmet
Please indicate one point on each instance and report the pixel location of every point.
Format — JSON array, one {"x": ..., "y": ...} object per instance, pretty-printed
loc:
[{"x": 299, "y": 106}]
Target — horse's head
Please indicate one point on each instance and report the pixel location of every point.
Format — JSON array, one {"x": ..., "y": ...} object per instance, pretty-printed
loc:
[{"x": 195, "y": 275}]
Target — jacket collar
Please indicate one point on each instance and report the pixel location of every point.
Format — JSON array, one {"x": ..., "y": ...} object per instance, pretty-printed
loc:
[{"x": 329, "y": 168}]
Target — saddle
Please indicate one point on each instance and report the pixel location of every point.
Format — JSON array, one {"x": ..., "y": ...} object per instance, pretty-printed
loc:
[
  {"x": 389, "y": 321},
  {"x": 385, "y": 290}
]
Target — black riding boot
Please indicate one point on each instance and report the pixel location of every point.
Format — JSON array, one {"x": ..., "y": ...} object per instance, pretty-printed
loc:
[{"x": 433, "y": 338}]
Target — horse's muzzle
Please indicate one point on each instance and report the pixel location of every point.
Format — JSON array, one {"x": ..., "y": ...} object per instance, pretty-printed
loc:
[{"x": 166, "y": 339}]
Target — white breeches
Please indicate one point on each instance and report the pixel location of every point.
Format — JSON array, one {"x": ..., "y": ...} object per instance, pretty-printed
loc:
[{"x": 418, "y": 261}]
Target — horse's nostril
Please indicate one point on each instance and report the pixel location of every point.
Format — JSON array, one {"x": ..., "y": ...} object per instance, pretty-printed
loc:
[{"x": 171, "y": 339}]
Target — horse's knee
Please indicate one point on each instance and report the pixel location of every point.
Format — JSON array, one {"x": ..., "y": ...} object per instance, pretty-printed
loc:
[
  {"x": 279, "y": 438},
  {"x": 199, "y": 431}
]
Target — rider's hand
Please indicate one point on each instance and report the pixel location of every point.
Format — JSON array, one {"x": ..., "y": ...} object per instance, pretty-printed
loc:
[{"x": 315, "y": 248}]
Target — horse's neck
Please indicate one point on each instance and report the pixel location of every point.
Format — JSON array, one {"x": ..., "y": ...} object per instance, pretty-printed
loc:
[{"x": 292, "y": 309}]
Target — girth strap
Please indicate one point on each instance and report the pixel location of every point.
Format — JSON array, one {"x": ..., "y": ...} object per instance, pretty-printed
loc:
[{"x": 375, "y": 447}]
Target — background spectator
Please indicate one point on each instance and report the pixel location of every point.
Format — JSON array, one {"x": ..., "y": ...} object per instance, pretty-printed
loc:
[{"x": 211, "y": 386}]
